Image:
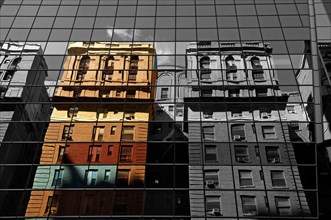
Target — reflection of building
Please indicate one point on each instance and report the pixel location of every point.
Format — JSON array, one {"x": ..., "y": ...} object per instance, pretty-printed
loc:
[
  {"x": 98, "y": 132},
  {"x": 23, "y": 113},
  {"x": 306, "y": 82},
  {"x": 168, "y": 145},
  {"x": 246, "y": 159}
]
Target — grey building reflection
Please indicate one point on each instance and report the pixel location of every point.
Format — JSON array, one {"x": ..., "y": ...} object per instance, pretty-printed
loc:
[{"x": 24, "y": 110}]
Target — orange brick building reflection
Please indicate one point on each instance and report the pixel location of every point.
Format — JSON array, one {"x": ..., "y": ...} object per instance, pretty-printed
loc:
[{"x": 94, "y": 150}]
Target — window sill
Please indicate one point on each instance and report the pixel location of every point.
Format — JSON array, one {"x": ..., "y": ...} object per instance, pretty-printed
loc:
[
  {"x": 280, "y": 187},
  {"x": 245, "y": 187}
]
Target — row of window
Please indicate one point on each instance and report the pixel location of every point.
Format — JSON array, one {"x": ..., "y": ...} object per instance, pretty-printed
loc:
[
  {"x": 231, "y": 68},
  {"x": 95, "y": 152},
  {"x": 245, "y": 178},
  {"x": 242, "y": 155},
  {"x": 99, "y": 131},
  {"x": 238, "y": 132},
  {"x": 249, "y": 206},
  {"x": 108, "y": 68},
  {"x": 101, "y": 113},
  {"x": 105, "y": 93},
  {"x": 91, "y": 175},
  {"x": 211, "y": 176}
]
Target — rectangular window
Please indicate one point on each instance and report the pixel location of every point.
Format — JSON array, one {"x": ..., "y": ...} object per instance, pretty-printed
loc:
[
  {"x": 58, "y": 177},
  {"x": 77, "y": 93},
  {"x": 208, "y": 132},
  {"x": 94, "y": 154},
  {"x": 52, "y": 204},
  {"x": 269, "y": 132},
  {"x": 277, "y": 178},
  {"x": 241, "y": 153},
  {"x": 132, "y": 74},
  {"x": 98, "y": 132},
  {"x": 179, "y": 112},
  {"x": 102, "y": 113},
  {"x": 210, "y": 153},
  {"x": 112, "y": 130},
  {"x": 272, "y": 154},
  {"x": 206, "y": 92},
  {"x": 107, "y": 175},
  {"x": 108, "y": 74},
  {"x": 128, "y": 133},
  {"x": 238, "y": 132},
  {"x": 261, "y": 92},
  {"x": 91, "y": 177},
  {"x": 104, "y": 93},
  {"x": 249, "y": 205},
  {"x": 62, "y": 153},
  {"x": 234, "y": 93},
  {"x": 207, "y": 114},
  {"x": 211, "y": 178},
  {"x": 245, "y": 178},
  {"x": 294, "y": 125},
  {"x": 126, "y": 153},
  {"x": 291, "y": 109},
  {"x": 257, "y": 75},
  {"x": 205, "y": 73},
  {"x": 131, "y": 94},
  {"x": 164, "y": 93},
  {"x": 72, "y": 112},
  {"x": 123, "y": 177},
  {"x": 129, "y": 115},
  {"x": 283, "y": 205},
  {"x": 67, "y": 132},
  {"x": 213, "y": 205},
  {"x": 110, "y": 150}
]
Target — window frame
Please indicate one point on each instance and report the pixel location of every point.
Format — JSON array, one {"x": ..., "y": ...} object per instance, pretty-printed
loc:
[
  {"x": 250, "y": 203},
  {"x": 245, "y": 178}
]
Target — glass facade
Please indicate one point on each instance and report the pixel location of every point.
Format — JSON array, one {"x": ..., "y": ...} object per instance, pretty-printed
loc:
[{"x": 172, "y": 109}]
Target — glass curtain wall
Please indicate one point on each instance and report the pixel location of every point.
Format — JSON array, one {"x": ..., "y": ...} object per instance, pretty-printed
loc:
[{"x": 172, "y": 109}]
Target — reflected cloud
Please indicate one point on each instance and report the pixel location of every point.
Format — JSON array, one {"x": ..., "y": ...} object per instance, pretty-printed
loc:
[
  {"x": 128, "y": 34},
  {"x": 162, "y": 49}
]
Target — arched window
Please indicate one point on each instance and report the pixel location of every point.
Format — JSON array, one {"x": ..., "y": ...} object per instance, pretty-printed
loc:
[
  {"x": 11, "y": 69},
  {"x": 257, "y": 71},
  {"x": 83, "y": 67},
  {"x": 231, "y": 68},
  {"x": 108, "y": 69},
  {"x": 133, "y": 69},
  {"x": 205, "y": 70}
]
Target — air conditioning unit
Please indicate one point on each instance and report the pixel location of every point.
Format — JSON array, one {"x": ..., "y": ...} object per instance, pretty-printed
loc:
[
  {"x": 210, "y": 183},
  {"x": 243, "y": 159},
  {"x": 236, "y": 115},
  {"x": 207, "y": 116},
  {"x": 236, "y": 137},
  {"x": 216, "y": 211},
  {"x": 264, "y": 115},
  {"x": 292, "y": 112},
  {"x": 275, "y": 160}
]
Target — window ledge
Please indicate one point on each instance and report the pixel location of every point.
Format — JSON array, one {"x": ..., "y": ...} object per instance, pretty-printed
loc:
[{"x": 245, "y": 187}]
